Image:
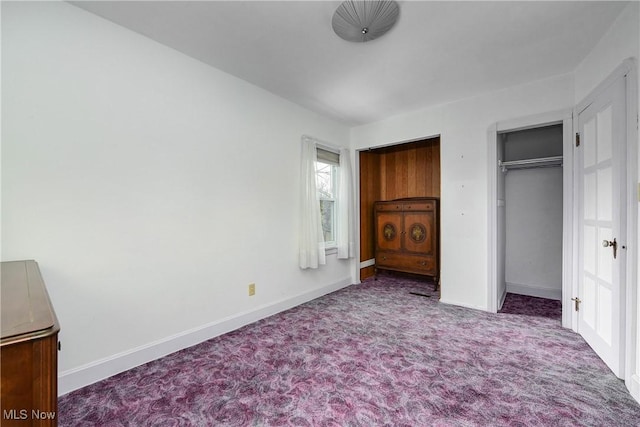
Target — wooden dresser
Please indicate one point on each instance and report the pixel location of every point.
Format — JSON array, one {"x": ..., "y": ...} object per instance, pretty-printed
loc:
[
  {"x": 28, "y": 348},
  {"x": 407, "y": 236}
]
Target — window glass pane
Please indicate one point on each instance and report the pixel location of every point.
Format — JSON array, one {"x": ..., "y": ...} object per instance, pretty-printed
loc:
[
  {"x": 325, "y": 180},
  {"x": 327, "y": 210}
]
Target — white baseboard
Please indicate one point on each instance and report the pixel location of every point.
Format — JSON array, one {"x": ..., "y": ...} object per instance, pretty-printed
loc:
[
  {"x": 634, "y": 387},
  {"x": 368, "y": 263},
  {"x": 460, "y": 304},
  {"x": 533, "y": 291},
  {"x": 90, "y": 373},
  {"x": 502, "y": 298}
]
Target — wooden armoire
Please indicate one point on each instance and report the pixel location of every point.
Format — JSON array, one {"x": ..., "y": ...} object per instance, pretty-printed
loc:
[
  {"x": 28, "y": 348},
  {"x": 406, "y": 236}
]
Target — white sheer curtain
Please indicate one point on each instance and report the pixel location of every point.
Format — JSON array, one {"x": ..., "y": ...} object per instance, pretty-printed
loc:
[
  {"x": 345, "y": 223},
  {"x": 311, "y": 252}
]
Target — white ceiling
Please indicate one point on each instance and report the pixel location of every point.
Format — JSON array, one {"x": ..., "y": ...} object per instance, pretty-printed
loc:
[{"x": 437, "y": 52}]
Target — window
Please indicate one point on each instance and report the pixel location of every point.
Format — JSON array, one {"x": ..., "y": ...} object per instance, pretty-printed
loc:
[
  {"x": 326, "y": 208},
  {"x": 327, "y": 181}
]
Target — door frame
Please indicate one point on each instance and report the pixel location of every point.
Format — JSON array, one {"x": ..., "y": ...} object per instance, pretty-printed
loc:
[
  {"x": 630, "y": 336},
  {"x": 358, "y": 265},
  {"x": 565, "y": 118}
]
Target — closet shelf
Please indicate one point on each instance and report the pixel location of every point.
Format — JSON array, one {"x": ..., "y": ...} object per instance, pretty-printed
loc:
[{"x": 542, "y": 162}]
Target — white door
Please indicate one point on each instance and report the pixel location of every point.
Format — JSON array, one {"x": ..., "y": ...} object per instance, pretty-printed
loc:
[{"x": 602, "y": 208}]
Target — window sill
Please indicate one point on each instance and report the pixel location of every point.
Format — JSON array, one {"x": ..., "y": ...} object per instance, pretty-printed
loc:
[{"x": 332, "y": 250}]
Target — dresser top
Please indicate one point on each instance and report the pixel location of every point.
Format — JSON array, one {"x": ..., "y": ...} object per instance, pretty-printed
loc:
[{"x": 25, "y": 305}]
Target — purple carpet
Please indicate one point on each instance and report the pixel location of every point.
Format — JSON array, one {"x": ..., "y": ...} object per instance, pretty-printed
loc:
[
  {"x": 532, "y": 306},
  {"x": 369, "y": 355}
]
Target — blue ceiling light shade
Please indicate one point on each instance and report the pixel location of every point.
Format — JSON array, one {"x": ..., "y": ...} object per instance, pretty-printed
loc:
[{"x": 361, "y": 21}]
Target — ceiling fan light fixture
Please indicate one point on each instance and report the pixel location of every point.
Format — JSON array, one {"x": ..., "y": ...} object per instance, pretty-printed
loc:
[{"x": 364, "y": 20}]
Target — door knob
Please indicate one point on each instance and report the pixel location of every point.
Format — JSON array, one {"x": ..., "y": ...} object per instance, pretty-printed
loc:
[
  {"x": 613, "y": 244},
  {"x": 577, "y": 302}
]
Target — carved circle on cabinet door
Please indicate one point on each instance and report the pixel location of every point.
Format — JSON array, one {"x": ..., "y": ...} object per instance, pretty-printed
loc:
[
  {"x": 389, "y": 231},
  {"x": 417, "y": 233}
]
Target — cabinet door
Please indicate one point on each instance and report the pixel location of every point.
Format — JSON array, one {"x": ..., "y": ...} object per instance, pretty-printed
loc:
[
  {"x": 388, "y": 231},
  {"x": 419, "y": 228}
]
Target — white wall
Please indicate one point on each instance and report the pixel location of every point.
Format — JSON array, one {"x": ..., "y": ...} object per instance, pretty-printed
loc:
[
  {"x": 533, "y": 255},
  {"x": 151, "y": 188},
  {"x": 620, "y": 42},
  {"x": 463, "y": 128},
  {"x": 533, "y": 143}
]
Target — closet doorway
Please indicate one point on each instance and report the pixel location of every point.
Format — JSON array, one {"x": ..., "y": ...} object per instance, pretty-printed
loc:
[
  {"x": 530, "y": 191},
  {"x": 531, "y": 210}
]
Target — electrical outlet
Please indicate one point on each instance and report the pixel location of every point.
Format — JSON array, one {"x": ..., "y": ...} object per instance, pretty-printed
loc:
[{"x": 252, "y": 289}]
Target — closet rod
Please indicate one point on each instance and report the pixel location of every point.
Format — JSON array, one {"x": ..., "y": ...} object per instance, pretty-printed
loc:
[{"x": 531, "y": 163}]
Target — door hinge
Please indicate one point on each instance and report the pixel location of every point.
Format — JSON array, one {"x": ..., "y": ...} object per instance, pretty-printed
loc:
[
  {"x": 577, "y": 302},
  {"x": 577, "y": 139}
]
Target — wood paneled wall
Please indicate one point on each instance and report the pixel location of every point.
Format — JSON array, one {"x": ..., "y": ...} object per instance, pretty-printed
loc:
[
  {"x": 399, "y": 171},
  {"x": 369, "y": 193}
]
